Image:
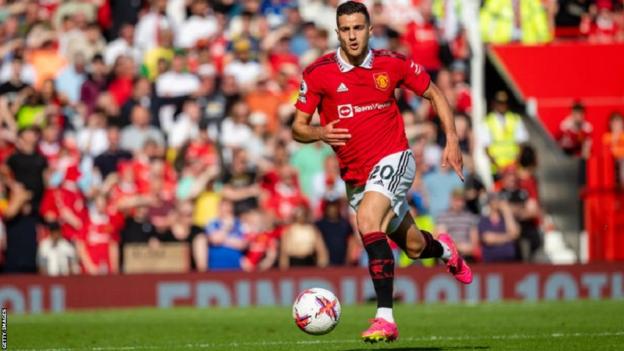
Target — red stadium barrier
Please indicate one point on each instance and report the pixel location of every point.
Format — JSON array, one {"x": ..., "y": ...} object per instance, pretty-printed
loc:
[
  {"x": 558, "y": 73},
  {"x": 35, "y": 294},
  {"x": 555, "y": 75},
  {"x": 604, "y": 210}
]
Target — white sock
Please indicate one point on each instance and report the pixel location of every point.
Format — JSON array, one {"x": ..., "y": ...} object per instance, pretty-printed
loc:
[
  {"x": 446, "y": 251},
  {"x": 385, "y": 313}
]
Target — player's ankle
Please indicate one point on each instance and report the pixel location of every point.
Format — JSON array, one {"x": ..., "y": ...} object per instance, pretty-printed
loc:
[
  {"x": 434, "y": 248},
  {"x": 446, "y": 251},
  {"x": 385, "y": 313}
]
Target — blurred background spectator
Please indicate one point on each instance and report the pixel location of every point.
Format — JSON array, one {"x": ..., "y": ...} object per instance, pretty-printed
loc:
[
  {"x": 498, "y": 231},
  {"x": 20, "y": 220},
  {"x": 502, "y": 134},
  {"x": 613, "y": 140},
  {"x": 461, "y": 225},
  {"x": 226, "y": 240},
  {"x": 302, "y": 243},
  {"x": 575, "y": 133},
  {"x": 525, "y": 210},
  {"x": 55, "y": 255},
  {"x": 337, "y": 232},
  {"x": 528, "y": 21},
  {"x": 262, "y": 236}
]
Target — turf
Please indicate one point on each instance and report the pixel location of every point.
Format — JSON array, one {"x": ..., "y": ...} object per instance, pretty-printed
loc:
[{"x": 584, "y": 325}]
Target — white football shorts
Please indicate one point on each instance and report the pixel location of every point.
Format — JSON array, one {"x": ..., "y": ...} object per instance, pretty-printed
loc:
[{"x": 392, "y": 176}]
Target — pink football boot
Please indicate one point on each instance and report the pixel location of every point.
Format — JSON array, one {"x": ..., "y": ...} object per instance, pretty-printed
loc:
[
  {"x": 456, "y": 264},
  {"x": 380, "y": 330}
]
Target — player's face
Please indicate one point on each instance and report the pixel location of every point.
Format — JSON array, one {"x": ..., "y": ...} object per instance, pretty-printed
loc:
[{"x": 353, "y": 33}]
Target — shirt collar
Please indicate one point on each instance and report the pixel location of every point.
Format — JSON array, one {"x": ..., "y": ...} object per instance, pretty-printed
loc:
[{"x": 345, "y": 66}]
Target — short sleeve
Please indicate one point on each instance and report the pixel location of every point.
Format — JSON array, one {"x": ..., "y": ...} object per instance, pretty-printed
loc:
[
  {"x": 475, "y": 221},
  {"x": 415, "y": 77},
  {"x": 11, "y": 163},
  {"x": 349, "y": 229},
  {"x": 227, "y": 177},
  {"x": 117, "y": 222},
  {"x": 440, "y": 220},
  {"x": 484, "y": 134},
  {"x": 238, "y": 230},
  {"x": 482, "y": 225},
  {"x": 309, "y": 94},
  {"x": 522, "y": 135},
  {"x": 81, "y": 234},
  {"x": 212, "y": 227},
  {"x": 47, "y": 207},
  {"x": 195, "y": 231},
  {"x": 44, "y": 163}
]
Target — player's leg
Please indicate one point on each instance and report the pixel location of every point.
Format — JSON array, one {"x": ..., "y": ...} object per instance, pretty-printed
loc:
[
  {"x": 421, "y": 244},
  {"x": 372, "y": 218},
  {"x": 415, "y": 242}
]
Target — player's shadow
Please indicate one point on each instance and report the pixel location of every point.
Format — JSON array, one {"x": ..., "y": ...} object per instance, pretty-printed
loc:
[{"x": 448, "y": 348}]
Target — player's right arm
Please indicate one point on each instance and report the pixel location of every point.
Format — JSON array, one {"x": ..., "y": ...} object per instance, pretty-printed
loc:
[
  {"x": 303, "y": 132},
  {"x": 310, "y": 96}
]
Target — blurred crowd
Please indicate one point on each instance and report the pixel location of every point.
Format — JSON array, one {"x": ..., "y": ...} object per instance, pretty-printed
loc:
[
  {"x": 542, "y": 21},
  {"x": 576, "y": 140},
  {"x": 157, "y": 122}
]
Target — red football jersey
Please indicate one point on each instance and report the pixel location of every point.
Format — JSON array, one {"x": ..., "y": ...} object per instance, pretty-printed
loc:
[
  {"x": 54, "y": 199},
  {"x": 363, "y": 99},
  {"x": 97, "y": 235}
]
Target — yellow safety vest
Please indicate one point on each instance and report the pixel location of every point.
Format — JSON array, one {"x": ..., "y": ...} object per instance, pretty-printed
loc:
[
  {"x": 497, "y": 22},
  {"x": 439, "y": 9},
  {"x": 503, "y": 147}
]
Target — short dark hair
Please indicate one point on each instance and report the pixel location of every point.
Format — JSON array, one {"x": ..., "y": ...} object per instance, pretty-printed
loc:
[
  {"x": 577, "y": 105},
  {"x": 33, "y": 128},
  {"x": 97, "y": 58},
  {"x": 615, "y": 115},
  {"x": 351, "y": 7},
  {"x": 527, "y": 157},
  {"x": 53, "y": 226}
]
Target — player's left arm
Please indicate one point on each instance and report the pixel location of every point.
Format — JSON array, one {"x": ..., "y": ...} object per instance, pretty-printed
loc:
[
  {"x": 452, "y": 153},
  {"x": 415, "y": 78}
]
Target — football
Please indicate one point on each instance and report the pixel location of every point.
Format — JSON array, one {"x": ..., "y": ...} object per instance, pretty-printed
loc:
[{"x": 316, "y": 311}]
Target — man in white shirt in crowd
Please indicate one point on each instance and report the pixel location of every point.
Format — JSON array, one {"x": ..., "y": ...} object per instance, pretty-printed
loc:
[
  {"x": 55, "y": 255},
  {"x": 200, "y": 25},
  {"x": 244, "y": 68},
  {"x": 123, "y": 45},
  {"x": 186, "y": 126},
  {"x": 146, "y": 34},
  {"x": 235, "y": 130},
  {"x": 177, "y": 82}
]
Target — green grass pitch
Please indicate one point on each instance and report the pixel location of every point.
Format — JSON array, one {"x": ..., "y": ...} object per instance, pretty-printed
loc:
[{"x": 579, "y": 325}]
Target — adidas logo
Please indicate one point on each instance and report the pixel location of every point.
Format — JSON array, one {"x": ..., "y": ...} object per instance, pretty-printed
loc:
[
  {"x": 342, "y": 88},
  {"x": 379, "y": 182}
]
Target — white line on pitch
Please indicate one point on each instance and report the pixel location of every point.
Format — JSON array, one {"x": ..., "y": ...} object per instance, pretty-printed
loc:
[{"x": 343, "y": 341}]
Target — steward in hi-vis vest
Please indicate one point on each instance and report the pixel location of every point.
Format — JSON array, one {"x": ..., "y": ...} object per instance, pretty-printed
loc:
[{"x": 504, "y": 133}]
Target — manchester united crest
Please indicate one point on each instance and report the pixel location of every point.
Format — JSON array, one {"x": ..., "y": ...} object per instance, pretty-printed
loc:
[{"x": 382, "y": 80}]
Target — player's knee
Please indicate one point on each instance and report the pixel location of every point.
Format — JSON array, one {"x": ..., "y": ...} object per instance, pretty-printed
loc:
[
  {"x": 367, "y": 223},
  {"x": 414, "y": 251},
  {"x": 414, "y": 246}
]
